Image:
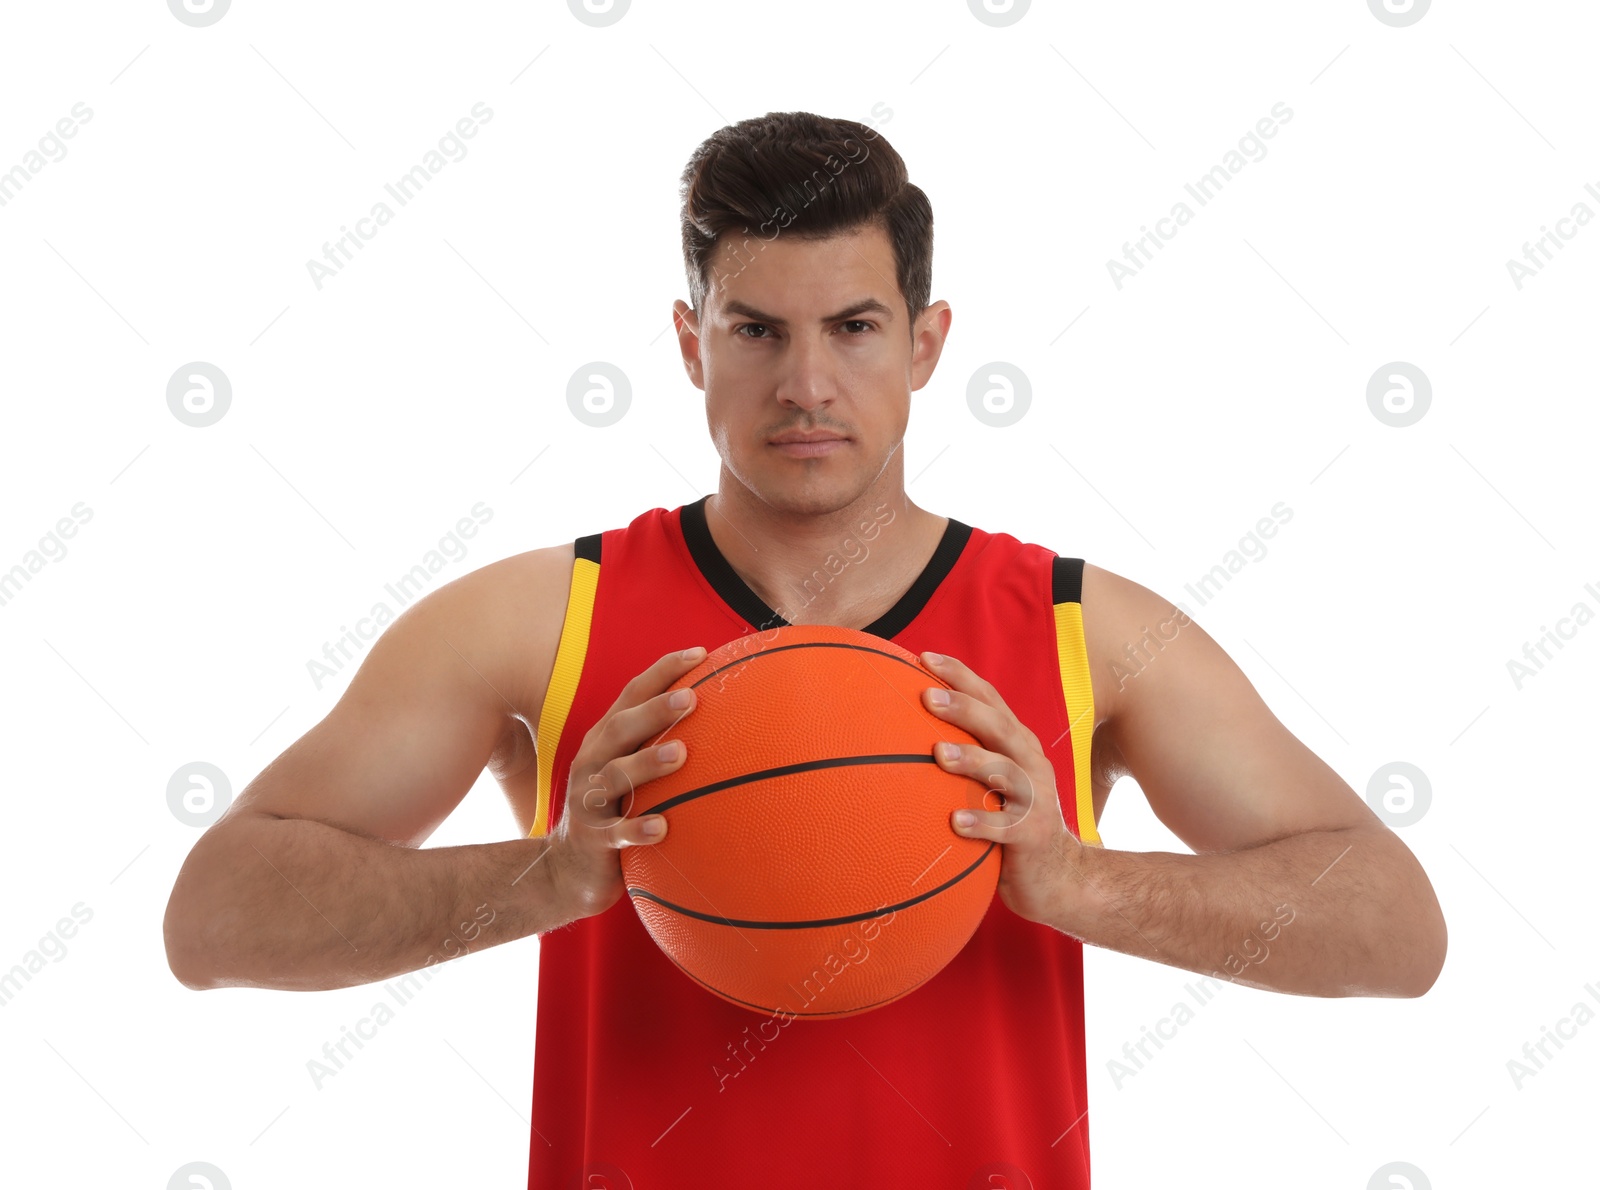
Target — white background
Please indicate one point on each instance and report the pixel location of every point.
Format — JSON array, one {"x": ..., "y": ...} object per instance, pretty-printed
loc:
[{"x": 371, "y": 414}]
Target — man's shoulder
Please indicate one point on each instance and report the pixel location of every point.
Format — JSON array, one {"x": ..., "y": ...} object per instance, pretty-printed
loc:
[
  {"x": 504, "y": 585},
  {"x": 504, "y": 620},
  {"x": 516, "y": 606},
  {"x": 1122, "y": 621}
]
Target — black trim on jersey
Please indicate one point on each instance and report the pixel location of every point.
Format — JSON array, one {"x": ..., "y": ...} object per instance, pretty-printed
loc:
[
  {"x": 587, "y": 547},
  {"x": 736, "y": 593},
  {"x": 1066, "y": 580}
]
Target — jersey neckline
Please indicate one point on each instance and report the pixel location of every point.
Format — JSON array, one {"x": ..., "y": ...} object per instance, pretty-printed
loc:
[{"x": 743, "y": 601}]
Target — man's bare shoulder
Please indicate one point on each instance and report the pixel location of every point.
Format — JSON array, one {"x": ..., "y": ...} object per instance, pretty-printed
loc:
[
  {"x": 1216, "y": 765},
  {"x": 1125, "y": 627},
  {"x": 1110, "y": 603},
  {"x": 508, "y": 616}
]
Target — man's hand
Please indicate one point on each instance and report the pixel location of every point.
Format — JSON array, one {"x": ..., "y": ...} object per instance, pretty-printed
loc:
[
  {"x": 619, "y": 753},
  {"x": 1043, "y": 861}
]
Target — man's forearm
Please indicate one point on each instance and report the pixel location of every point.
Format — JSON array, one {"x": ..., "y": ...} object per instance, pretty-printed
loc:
[
  {"x": 299, "y": 905},
  {"x": 1325, "y": 913}
]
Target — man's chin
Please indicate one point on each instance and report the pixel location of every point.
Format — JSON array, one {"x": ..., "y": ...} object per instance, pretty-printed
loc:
[{"x": 816, "y": 496}]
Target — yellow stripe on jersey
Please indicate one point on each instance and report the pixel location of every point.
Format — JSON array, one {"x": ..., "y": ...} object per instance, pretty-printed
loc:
[
  {"x": 1073, "y": 656},
  {"x": 570, "y": 653}
]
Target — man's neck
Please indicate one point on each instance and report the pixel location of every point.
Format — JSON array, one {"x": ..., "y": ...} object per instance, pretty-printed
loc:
[{"x": 846, "y": 568}]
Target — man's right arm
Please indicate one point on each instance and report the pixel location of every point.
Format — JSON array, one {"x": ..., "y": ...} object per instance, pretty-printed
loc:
[{"x": 315, "y": 877}]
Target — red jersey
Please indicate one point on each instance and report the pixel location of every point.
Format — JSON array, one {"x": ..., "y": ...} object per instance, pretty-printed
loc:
[{"x": 645, "y": 1080}]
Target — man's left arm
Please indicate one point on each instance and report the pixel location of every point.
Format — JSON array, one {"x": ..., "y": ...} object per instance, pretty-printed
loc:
[{"x": 1296, "y": 886}]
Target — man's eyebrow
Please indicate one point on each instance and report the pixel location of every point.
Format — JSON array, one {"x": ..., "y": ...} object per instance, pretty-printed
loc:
[{"x": 865, "y": 306}]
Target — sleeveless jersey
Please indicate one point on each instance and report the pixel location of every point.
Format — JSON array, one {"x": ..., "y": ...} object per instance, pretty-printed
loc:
[{"x": 645, "y": 1080}]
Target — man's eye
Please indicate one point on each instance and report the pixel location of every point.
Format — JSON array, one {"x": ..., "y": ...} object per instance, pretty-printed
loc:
[{"x": 746, "y": 326}]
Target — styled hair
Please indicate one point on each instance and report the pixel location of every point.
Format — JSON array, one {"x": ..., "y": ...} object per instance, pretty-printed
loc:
[{"x": 808, "y": 176}]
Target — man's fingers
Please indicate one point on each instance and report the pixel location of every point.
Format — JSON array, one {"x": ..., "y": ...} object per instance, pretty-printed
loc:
[
  {"x": 983, "y": 824},
  {"x": 668, "y": 668},
  {"x": 650, "y": 718},
  {"x": 1008, "y": 789},
  {"x": 610, "y": 791},
  {"x": 636, "y": 832},
  {"x": 977, "y": 705},
  {"x": 992, "y": 768},
  {"x": 960, "y": 675}
]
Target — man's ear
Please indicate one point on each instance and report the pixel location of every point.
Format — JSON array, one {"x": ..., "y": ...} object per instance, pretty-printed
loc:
[
  {"x": 932, "y": 328},
  {"x": 686, "y": 323}
]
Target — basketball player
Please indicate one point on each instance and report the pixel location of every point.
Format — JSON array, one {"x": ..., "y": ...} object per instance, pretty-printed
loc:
[{"x": 810, "y": 326}]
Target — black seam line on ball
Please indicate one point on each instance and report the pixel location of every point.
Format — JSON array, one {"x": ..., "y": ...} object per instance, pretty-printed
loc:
[
  {"x": 812, "y": 644},
  {"x": 821, "y": 921},
  {"x": 784, "y": 770}
]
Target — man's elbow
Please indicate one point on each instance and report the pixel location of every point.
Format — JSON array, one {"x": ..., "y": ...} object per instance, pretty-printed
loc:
[
  {"x": 186, "y": 951},
  {"x": 1424, "y": 938},
  {"x": 180, "y": 959},
  {"x": 1427, "y": 953}
]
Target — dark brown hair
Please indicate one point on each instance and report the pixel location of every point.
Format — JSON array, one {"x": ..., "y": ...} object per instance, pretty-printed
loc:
[{"x": 803, "y": 175}]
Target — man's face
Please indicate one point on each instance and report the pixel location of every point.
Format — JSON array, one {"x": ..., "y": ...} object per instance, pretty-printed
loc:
[{"x": 803, "y": 336}]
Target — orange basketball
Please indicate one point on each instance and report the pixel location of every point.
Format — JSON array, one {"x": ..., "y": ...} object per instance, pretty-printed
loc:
[{"x": 809, "y": 866}]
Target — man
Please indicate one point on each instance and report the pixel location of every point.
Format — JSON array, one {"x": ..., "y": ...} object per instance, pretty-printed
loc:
[{"x": 809, "y": 263}]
